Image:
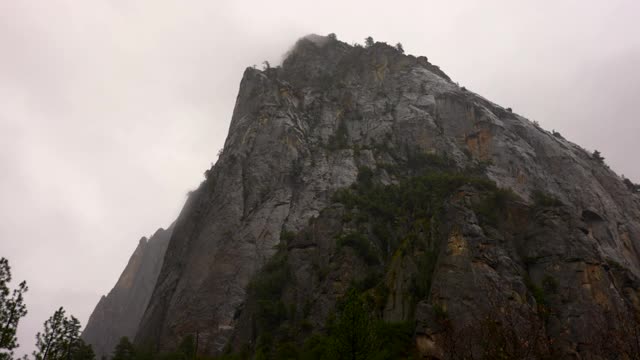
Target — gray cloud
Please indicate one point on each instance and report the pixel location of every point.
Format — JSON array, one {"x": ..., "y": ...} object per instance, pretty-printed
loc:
[{"x": 111, "y": 110}]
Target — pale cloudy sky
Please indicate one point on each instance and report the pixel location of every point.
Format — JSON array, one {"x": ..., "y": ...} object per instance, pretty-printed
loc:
[{"x": 110, "y": 110}]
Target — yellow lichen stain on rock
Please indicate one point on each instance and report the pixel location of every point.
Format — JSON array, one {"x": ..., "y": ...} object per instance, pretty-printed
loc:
[
  {"x": 479, "y": 144},
  {"x": 396, "y": 304},
  {"x": 459, "y": 196},
  {"x": 250, "y": 131},
  {"x": 347, "y": 101},
  {"x": 423, "y": 140},
  {"x": 521, "y": 178},
  {"x": 518, "y": 298},
  {"x": 287, "y": 140},
  {"x": 594, "y": 272},
  {"x": 601, "y": 299},
  {"x": 381, "y": 70},
  {"x": 457, "y": 244},
  {"x": 127, "y": 278},
  {"x": 592, "y": 277},
  {"x": 480, "y": 267},
  {"x": 632, "y": 295},
  {"x": 428, "y": 347},
  {"x": 471, "y": 115},
  {"x": 627, "y": 247}
]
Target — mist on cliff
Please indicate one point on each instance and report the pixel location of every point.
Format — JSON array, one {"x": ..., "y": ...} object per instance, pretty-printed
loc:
[{"x": 111, "y": 110}]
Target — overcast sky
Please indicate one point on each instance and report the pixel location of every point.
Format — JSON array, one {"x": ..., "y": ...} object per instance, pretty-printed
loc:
[{"x": 110, "y": 110}]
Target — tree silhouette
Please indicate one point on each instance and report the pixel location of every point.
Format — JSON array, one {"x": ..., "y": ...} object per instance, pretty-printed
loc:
[
  {"x": 83, "y": 351},
  {"x": 124, "y": 350},
  {"x": 60, "y": 339},
  {"x": 352, "y": 335},
  {"x": 369, "y": 41},
  {"x": 187, "y": 347},
  {"x": 12, "y": 309},
  {"x": 597, "y": 156},
  {"x": 49, "y": 343},
  {"x": 71, "y": 336}
]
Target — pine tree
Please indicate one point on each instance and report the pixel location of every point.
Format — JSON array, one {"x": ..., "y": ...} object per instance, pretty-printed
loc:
[
  {"x": 50, "y": 343},
  {"x": 400, "y": 48},
  {"x": 12, "y": 309},
  {"x": 353, "y": 335},
  {"x": 368, "y": 41},
  {"x": 597, "y": 156},
  {"x": 124, "y": 350},
  {"x": 187, "y": 347},
  {"x": 70, "y": 337},
  {"x": 60, "y": 339},
  {"x": 83, "y": 351}
]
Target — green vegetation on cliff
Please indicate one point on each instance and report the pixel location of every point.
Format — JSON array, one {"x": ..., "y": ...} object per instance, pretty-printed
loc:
[{"x": 383, "y": 225}]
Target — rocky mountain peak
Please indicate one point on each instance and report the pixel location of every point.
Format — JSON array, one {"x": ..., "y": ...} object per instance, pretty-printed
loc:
[{"x": 366, "y": 171}]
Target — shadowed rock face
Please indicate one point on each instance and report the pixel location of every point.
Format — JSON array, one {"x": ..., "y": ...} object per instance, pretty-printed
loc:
[
  {"x": 301, "y": 131},
  {"x": 118, "y": 314}
]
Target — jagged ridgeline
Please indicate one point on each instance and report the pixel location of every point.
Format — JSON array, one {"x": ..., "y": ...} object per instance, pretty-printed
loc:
[
  {"x": 118, "y": 314},
  {"x": 367, "y": 207}
]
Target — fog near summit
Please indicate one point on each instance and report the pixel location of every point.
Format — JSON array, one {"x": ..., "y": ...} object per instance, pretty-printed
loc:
[{"x": 110, "y": 110}]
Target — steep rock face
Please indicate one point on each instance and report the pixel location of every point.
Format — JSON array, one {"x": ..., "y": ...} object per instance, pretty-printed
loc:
[
  {"x": 302, "y": 131},
  {"x": 118, "y": 314}
]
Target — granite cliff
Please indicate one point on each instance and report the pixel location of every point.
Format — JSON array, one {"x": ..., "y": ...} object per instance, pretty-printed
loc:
[
  {"x": 362, "y": 170},
  {"x": 118, "y": 314}
]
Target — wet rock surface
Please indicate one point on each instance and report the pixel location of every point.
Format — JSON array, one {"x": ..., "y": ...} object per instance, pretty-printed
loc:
[
  {"x": 302, "y": 131},
  {"x": 118, "y": 314}
]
